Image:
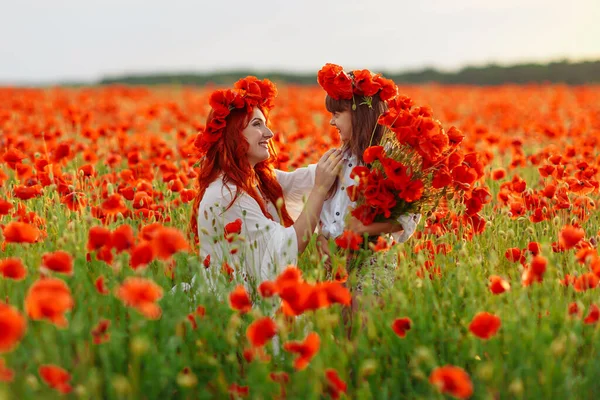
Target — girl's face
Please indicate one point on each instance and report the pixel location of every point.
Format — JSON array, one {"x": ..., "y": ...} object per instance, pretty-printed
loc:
[
  {"x": 342, "y": 120},
  {"x": 258, "y": 135}
]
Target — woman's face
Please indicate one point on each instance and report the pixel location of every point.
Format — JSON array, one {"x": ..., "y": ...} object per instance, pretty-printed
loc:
[
  {"x": 258, "y": 135},
  {"x": 342, "y": 120}
]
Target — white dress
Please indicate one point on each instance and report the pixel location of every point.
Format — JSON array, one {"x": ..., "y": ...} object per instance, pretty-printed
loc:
[{"x": 264, "y": 247}]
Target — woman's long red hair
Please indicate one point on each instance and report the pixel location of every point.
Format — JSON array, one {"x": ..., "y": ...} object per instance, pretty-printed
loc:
[{"x": 228, "y": 156}]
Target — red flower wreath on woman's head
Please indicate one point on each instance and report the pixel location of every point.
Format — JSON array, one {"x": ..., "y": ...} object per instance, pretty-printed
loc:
[
  {"x": 249, "y": 92},
  {"x": 340, "y": 85}
]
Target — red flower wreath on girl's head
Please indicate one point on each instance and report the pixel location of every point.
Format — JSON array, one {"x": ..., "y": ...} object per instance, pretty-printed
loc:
[
  {"x": 249, "y": 92},
  {"x": 340, "y": 85}
]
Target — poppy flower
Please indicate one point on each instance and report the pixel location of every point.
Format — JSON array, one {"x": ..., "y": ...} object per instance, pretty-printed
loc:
[
  {"x": 99, "y": 284},
  {"x": 267, "y": 289},
  {"x": 49, "y": 299},
  {"x": 98, "y": 236},
  {"x": 498, "y": 285},
  {"x": 570, "y": 236},
  {"x": 573, "y": 309},
  {"x": 20, "y": 232},
  {"x": 239, "y": 300},
  {"x": 100, "y": 332},
  {"x": 55, "y": 377},
  {"x": 306, "y": 350},
  {"x": 114, "y": 204},
  {"x": 593, "y": 315},
  {"x": 122, "y": 239},
  {"x": 13, "y": 327},
  {"x": 236, "y": 390},
  {"x": 58, "y": 261},
  {"x": 585, "y": 282},
  {"x": 6, "y": 374},
  {"x": 5, "y": 207},
  {"x": 485, "y": 325},
  {"x": 141, "y": 255},
  {"x": 260, "y": 331},
  {"x": 168, "y": 241},
  {"x": 349, "y": 240},
  {"x": 335, "y": 385},
  {"x": 12, "y": 268},
  {"x": 401, "y": 326},
  {"x": 453, "y": 381},
  {"x": 141, "y": 294},
  {"x": 232, "y": 229}
]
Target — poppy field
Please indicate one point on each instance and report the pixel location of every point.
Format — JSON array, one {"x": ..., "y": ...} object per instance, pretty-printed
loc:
[{"x": 494, "y": 300}]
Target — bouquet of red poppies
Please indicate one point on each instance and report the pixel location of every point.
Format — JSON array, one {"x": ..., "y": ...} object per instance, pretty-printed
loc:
[{"x": 416, "y": 164}]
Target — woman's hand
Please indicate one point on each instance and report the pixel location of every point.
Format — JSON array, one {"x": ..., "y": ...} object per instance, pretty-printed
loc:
[{"x": 328, "y": 168}]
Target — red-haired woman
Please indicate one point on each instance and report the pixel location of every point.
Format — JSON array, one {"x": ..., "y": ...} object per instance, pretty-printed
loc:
[{"x": 240, "y": 214}]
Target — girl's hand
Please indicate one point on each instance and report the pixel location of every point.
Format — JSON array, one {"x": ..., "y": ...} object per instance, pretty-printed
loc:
[
  {"x": 355, "y": 226},
  {"x": 328, "y": 168}
]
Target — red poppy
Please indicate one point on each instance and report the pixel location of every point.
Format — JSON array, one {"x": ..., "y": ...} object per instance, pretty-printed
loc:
[
  {"x": 240, "y": 300},
  {"x": 56, "y": 377},
  {"x": 267, "y": 289},
  {"x": 122, "y": 238},
  {"x": 238, "y": 391},
  {"x": 13, "y": 327},
  {"x": 349, "y": 240},
  {"x": 98, "y": 236},
  {"x": 12, "y": 268},
  {"x": 20, "y": 232},
  {"x": 49, "y": 299},
  {"x": 99, "y": 284},
  {"x": 100, "y": 332},
  {"x": 306, "y": 350},
  {"x": 260, "y": 331},
  {"x": 58, "y": 261},
  {"x": 233, "y": 229},
  {"x": 168, "y": 241},
  {"x": 485, "y": 325},
  {"x": 141, "y": 294},
  {"x": 453, "y": 381},
  {"x": 401, "y": 326},
  {"x": 141, "y": 255},
  {"x": 5, "y": 207},
  {"x": 585, "y": 282},
  {"x": 570, "y": 236},
  {"x": 335, "y": 385},
  {"x": 498, "y": 285},
  {"x": 6, "y": 374},
  {"x": 593, "y": 315}
]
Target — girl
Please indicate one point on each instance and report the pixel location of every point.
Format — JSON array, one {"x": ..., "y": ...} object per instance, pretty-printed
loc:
[
  {"x": 240, "y": 214},
  {"x": 355, "y": 101}
]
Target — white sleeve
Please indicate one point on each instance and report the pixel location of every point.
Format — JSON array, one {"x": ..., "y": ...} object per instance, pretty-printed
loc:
[
  {"x": 270, "y": 246},
  {"x": 296, "y": 187},
  {"x": 409, "y": 224}
]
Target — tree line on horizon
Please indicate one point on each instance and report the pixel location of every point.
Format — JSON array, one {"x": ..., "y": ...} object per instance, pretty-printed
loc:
[{"x": 571, "y": 73}]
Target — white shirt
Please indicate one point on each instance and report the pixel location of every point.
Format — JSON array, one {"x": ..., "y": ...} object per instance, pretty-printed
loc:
[
  {"x": 336, "y": 208},
  {"x": 265, "y": 247}
]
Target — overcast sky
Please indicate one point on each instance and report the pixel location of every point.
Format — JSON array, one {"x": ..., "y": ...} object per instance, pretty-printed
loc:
[{"x": 50, "y": 41}]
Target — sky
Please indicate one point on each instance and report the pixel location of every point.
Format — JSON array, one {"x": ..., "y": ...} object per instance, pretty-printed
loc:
[{"x": 85, "y": 40}]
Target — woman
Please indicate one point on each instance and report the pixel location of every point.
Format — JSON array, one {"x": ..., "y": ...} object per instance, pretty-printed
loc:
[{"x": 240, "y": 214}]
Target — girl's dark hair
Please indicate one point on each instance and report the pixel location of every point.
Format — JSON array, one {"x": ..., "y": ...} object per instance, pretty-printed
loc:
[
  {"x": 365, "y": 129},
  {"x": 364, "y": 122}
]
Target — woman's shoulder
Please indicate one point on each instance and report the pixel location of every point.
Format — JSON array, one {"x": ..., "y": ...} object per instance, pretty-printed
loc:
[{"x": 218, "y": 192}]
